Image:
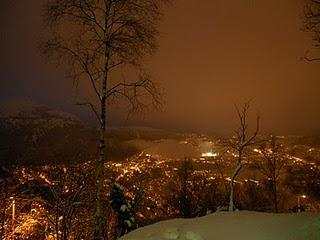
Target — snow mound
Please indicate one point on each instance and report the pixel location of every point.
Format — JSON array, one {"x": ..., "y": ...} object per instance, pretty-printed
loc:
[
  {"x": 242, "y": 225},
  {"x": 171, "y": 233}
]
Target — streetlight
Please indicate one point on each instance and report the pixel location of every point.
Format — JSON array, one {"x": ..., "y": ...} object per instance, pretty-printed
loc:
[
  {"x": 299, "y": 205},
  {"x": 13, "y": 212}
]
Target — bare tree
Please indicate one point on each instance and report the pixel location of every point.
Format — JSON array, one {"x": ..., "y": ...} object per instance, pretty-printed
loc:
[
  {"x": 272, "y": 165},
  {"x": 312, "y": 25},
  {"x": 8, "y": 184},
  {"x": 191, "y": 192},
  {"x": 66, "y": 200},
  {"x": 94, "y": 38},
  {"x": 240, "y": 142},
  {"x": 4, "y": 204},
  {"x": 185, "y": 173},
  {"x": 220, "y": 166}
]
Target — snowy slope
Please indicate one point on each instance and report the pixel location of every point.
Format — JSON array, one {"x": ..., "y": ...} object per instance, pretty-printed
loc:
[
  {"x": 243, "y": 225},
  {"x": 36, "y": 134}
]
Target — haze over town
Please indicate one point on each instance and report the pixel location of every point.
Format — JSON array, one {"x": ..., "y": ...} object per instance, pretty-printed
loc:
[{"x": 222, "y": 54}]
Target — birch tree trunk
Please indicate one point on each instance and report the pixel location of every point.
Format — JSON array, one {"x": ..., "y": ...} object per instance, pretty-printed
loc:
[{"x": 233, "y": 178}]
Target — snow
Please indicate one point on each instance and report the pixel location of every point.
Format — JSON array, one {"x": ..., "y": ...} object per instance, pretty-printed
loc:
[
  {"x": 32, "y": 110},
  {"x": 171, "y": 233},
  {"x": 123, "y": 208},
  {"x": 118, "y": 186},
  {"x": 11, "y": 108},
  {"x": 128, "y": 222},
  {"x": 241, "y": 225}
]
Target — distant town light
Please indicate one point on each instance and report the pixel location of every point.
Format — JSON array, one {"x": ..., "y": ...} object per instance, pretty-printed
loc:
[
  {"x": 257, "y": 150},
  {"x": 228, "y": 179},
  {"x": 209, "y": 154},
  {"x": 235, "y": 155}
]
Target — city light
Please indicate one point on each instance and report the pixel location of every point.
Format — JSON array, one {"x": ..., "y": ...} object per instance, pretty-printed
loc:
[{"x": 209, "y": 154}]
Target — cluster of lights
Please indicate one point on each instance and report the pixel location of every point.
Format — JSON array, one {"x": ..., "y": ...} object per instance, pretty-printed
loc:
[
  {"x": 145, "y": 162},
  {"x": 209, "y": 154}
]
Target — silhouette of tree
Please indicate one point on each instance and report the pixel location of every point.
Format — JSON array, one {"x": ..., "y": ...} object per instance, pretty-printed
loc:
[{"x": 93, "y": 38}]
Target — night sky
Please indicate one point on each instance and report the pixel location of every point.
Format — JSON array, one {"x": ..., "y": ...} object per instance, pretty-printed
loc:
[{"x": 212, "y": 54}]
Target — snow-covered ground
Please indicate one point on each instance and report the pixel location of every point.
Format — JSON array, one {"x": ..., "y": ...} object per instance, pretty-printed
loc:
[{"x": 242, "y": 225}]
